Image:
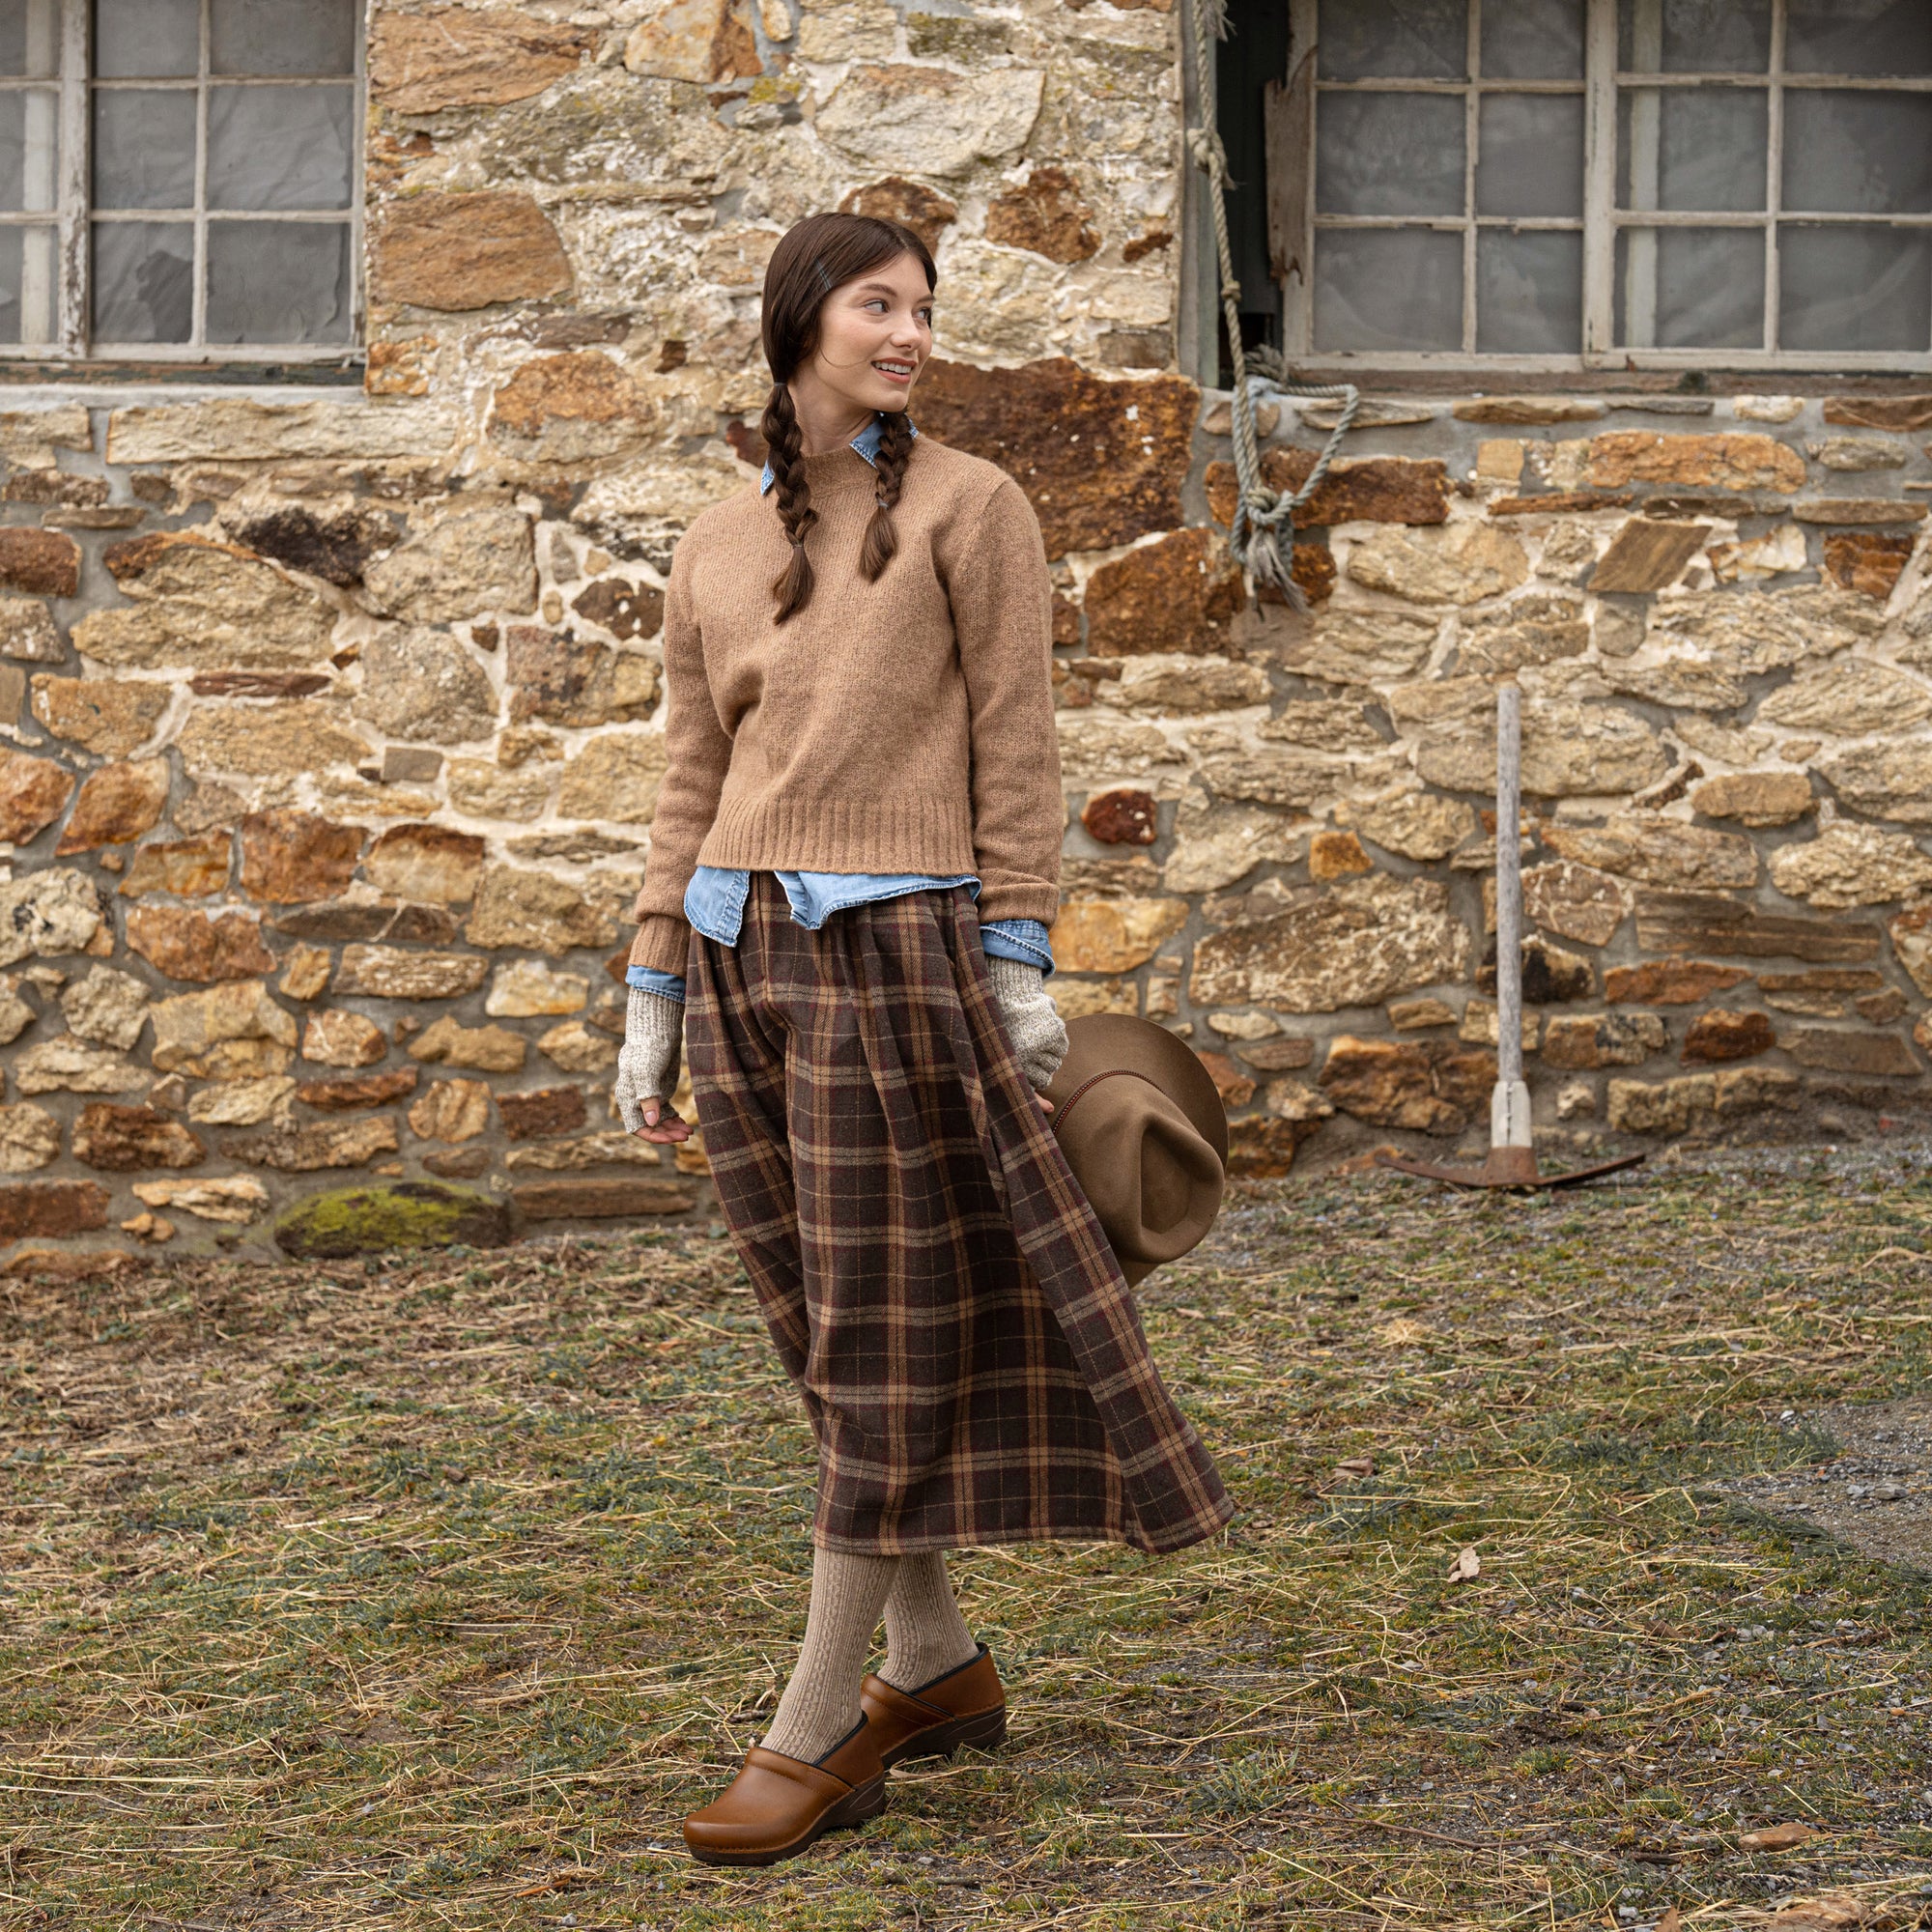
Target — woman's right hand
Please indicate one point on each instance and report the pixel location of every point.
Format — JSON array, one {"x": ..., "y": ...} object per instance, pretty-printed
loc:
[
  {"x": 647, "y": 1068},
  {"x": 663, "y": 1123}
]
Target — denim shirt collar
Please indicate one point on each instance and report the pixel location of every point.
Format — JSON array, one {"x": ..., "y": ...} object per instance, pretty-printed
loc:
[{"x": 865, "y": 442}]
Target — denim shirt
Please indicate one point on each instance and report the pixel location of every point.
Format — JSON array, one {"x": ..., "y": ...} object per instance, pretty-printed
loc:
[
  {"x": 865, "y": 442},
  {"x": 714, "y": 902}
]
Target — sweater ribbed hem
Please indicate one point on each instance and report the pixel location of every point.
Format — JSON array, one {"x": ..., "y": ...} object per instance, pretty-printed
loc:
[
  {"x": 841, "y": 835},
  {"x": 662, "y": 944}
]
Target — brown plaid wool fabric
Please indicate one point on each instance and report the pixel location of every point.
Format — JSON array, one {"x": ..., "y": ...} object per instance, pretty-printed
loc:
[{"x": 971, "y": 1358}]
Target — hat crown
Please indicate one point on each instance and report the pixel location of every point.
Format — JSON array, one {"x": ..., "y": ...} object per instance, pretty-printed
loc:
[
  {"x": 1174, "y": 1164},
  {"x": 1142, "y": 1126}
]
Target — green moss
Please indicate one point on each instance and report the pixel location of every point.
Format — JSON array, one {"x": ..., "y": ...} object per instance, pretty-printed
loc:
[
  {"x": 407, "y": 1214},
  {"x": 938, "y": 36},
  {"x": 773, "y": 90}
]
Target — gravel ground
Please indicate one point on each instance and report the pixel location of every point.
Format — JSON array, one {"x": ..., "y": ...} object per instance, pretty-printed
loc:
[{"x": 1875, "y": 1495}]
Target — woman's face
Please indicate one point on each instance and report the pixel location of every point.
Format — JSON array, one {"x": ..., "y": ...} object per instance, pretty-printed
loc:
[{"x": 874, "y": 335}]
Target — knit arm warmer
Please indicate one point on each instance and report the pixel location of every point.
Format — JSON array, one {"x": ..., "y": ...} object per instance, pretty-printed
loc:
[
  {"x": 698, "y": 753},
  {"x": 1002, "y": 601}
]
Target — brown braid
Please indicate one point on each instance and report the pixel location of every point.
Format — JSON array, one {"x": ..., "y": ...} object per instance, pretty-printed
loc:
[
  {"x": 882, "y": 540},
  {"x": 784, "y": 445}
]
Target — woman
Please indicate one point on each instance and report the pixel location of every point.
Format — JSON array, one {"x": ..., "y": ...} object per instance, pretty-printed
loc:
[{"x": 853, "y": 867}]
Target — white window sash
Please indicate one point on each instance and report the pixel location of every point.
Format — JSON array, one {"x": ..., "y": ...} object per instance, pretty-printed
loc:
[
  {"x": 1601, "y": 221},
  {"x": 73, "y": 220}
]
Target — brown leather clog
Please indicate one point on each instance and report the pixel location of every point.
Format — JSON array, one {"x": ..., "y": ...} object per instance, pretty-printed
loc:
[
  {"x": 967, "y": 1706},
  {"x": 777, "y": 1807}
]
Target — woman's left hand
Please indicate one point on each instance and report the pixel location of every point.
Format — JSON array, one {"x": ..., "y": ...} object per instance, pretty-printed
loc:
[{"x": 1033, "y": 1022}]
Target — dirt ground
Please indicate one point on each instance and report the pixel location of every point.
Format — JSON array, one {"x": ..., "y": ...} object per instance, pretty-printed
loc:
[{"x": 1568, "y": 1589}]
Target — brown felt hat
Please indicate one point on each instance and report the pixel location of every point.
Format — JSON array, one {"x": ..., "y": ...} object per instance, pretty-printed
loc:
[{"x": 1144, "y": 1130}]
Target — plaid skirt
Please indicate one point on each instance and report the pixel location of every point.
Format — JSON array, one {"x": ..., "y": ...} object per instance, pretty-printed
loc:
[{"x": 971, "y": 1360}]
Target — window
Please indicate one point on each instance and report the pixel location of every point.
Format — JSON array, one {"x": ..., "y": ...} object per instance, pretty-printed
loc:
[
  {"x": 1573, "y": 184},
  {"x": 180, "y": 179}
]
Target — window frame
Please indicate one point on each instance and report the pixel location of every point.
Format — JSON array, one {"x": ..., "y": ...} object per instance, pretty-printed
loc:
[
  {"x": 74, "y": 215},
  {"x": 1295, "y": 228}
]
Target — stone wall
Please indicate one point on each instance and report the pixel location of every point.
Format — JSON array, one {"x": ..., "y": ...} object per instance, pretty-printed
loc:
[
  {"x": 1720, "y": 611},
  {"x": 332, "y": 717}
]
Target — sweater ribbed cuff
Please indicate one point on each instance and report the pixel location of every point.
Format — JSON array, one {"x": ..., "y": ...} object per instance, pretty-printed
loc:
[{"x": 662, "y": 944}]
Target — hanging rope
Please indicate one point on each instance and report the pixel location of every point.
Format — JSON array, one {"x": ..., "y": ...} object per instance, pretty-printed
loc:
[{"x": 1262, "y": 535}]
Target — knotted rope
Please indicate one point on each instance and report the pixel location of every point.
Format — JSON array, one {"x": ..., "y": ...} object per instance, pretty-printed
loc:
[{"x": 1262, "y": 535}]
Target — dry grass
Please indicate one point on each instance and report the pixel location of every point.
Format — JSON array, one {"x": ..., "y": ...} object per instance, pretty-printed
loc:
[{"x": 431, "y": 1595}]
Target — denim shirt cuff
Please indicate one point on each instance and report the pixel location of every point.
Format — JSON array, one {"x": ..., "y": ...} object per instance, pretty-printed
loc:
[
  {"x": 1023, "y": 939},
  {"x": 667, "y": 985}
]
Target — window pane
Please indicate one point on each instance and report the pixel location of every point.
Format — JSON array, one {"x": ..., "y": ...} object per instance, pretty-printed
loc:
[
  {"x": 10, "y": 284},
  {"x": 1859, "y": 37},
  {"x": 27, "y": 257},
  {"x": 1529, "y": 294},
  {"x": 1695, "y": 37},
  {"x": 1691, "y": 147},
  {"x": 283, "y": 36},
  {"x": 1533, "y": 40},
  {"x": 1388, "y": 153},
  {"x": 29, "y": 36},
  {"x": 143, "y": 39},
  {"x": 1529, "y": 155},
  {"x": 1388, "y": 288},
  {"x": 1416, "y": 40},
  {"x": 29, "y": 149},
  {"x": 279, "y": 146},
  {"x": 1689, "y": 288},
  {"x": 1854, "y": 288},
  {"x": 143, "y": 146},
  {"x": 40, "y": 266},
  {"x": 143, "y": 281},
  {"x": 278, "y": 281},
  {"x": 1856, "y": 154}
]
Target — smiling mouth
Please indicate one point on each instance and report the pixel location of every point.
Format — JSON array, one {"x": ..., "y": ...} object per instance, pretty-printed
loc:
[{"x": 898, "y": 371}]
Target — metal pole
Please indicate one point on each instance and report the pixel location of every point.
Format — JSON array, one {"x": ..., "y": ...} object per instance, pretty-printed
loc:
[
  {"x": 1511, "y": 1159},
  {"x": 1509, "y": 1106}
]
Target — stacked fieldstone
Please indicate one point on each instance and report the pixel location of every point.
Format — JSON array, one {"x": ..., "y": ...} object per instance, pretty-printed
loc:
[
  {"x": 332, "y": 717},
  {"x": 248, "y": 784}
]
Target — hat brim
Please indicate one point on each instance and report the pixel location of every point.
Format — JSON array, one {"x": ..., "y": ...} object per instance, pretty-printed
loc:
[{"x": 1102, "y": 1042}]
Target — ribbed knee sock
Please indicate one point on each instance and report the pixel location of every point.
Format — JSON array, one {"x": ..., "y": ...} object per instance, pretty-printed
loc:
[
  {"x": 820, "y": 1703},
  {"x": 925, "y": 1635}
]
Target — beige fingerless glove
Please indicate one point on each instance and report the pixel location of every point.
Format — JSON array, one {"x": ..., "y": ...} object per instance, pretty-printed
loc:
[
  {"x": 647, "y": 1067},
  {"x": 1033, "y": 1022}
]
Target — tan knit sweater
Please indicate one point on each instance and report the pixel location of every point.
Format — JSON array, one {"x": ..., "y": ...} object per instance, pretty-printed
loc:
[{"x": 905, "y": 726}]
